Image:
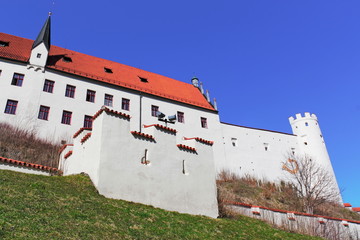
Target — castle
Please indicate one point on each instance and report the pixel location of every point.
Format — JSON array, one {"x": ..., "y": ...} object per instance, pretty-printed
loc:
[{"x": 166, "y": 132}]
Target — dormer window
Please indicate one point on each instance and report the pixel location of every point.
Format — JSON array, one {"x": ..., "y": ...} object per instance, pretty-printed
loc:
[
  {"x": 143, "y": 79},
  {"x": 67, "y": 59},
  {"x": 108, "y": 70},
  {"x": 4, "y": 44}
]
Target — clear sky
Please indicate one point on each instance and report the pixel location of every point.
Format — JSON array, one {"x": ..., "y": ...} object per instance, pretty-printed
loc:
[{"x": 264, "y": 60}]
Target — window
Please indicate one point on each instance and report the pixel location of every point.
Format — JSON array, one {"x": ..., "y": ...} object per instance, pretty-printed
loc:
[
  {"x": 44, "y": 113},
  {"x": 306, "y": 124},
  {"x": 70, "y": 91},
  {"x": 66, "y": 117},
  {"x": 38, "y": 55},
  {"x": 4, "y": 44},
  {"x": 11, "y": 106},
  {"x": 204, "y": 122},
  {"x": 90, "y": 96},
  {"x": 143, "y": 79},
  {"x": 108, "y": 70},
  {"x": 234, "y": 142},
  {"x": 67, "y": 59},
  {"x": 17, "y": 79},
  {"x": 154, "y": 110},
  {"x": 180, "y": 117},
  {"x": 0, "y": 72},
  {"x": 266, "y": 146},
  {"x": 108, "y": 101},
  {"x": 87, "y": 121},
  {"x": 125, "y": 104},
  {"x": 48, "y": 86}
]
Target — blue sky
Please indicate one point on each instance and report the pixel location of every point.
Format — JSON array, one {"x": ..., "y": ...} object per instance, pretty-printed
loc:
[{"x": 264, "y": 60}]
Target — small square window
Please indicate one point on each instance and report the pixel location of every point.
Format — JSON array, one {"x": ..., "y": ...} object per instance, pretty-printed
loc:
[
  {"x": 48, "y": 86},
  {"x": 180, "y": 117},
  {"x": 204, "y": 122},
  {"x": 4, "y": 44},
  {"x": 125, "y": 104},
  {"x": 38, "y": 55},
  {"x": 88, "y": 121},
  {"x": 66, "y": 117},
  {"x": 154, "y": 110},
  {"x": 67, "y": 59},
  {"x": 143, "y": 79},
  {"x": 108, "y": 70},
  {"x": 11, "y": 106},
  {"x": 234, "y": 142},
  {"x": 17, "y": 79},
  {"x": 108, "y": 100},
  {"x": 70, "y": 91},
  {"x": 90, "y": 96},
  {"x": 44, "y": 112}
]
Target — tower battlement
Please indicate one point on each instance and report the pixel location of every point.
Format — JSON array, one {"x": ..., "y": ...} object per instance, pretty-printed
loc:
[{"x": 298, "y": 117}]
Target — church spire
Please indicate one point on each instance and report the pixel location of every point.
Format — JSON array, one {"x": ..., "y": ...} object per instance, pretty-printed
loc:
[{"x": 44, "y": 35}]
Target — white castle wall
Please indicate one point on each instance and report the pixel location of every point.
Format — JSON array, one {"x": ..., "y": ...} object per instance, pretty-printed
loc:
[
  {"x": 31, "y": 95},
  {"x": 256, "y": 152},
  {"x": 175, "y": 178}
]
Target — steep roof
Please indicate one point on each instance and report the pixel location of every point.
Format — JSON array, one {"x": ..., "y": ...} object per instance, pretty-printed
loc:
[
  {"x": 44, "y": 35},
  {"x": 19, "y": 49}
]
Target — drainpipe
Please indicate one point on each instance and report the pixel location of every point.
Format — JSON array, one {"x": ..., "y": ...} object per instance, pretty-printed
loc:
[{"x": 140, "y": 113}]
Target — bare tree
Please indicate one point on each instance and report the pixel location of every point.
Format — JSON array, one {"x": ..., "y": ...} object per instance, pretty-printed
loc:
[{"x": 313, "y": 183}]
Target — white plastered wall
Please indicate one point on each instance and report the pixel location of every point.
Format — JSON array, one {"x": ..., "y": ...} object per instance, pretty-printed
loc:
[
  {"x": 161, "y": 183},
  {"x": 256, "y": 152}
]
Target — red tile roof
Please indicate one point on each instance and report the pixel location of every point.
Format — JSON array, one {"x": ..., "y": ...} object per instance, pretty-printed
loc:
[
  {"x": 182, "y": 146},
  {"x": 110, "y": 111},
  {"x": 92, "y": 67},
  {"x": 347, "y": 205},
  {"x": 30, "y": 165},
  {"x": 144, "y": 135},
  {"x": 68, "y": 154},
  {"x": 285, "y": 211},
  {"x": 356, "y": 209},
  {"x": 80, "y": 131},
  {"x": 64, "y": 146},
  {"x": 161, "y": 127},
  {"x": 86, "y": 137},
  {"x": 207, "y": 142}
]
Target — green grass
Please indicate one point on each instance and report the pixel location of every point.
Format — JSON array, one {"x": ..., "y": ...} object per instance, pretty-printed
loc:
[{"x": 40, "y": 207}]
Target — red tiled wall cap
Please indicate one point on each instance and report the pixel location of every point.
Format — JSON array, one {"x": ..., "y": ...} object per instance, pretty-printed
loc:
[
  {"x": 207, "y": 142},
  {"x": 29, "y": 165},
  {"x": 161, "y": 127},
  {"x": 144, "y": 135}
]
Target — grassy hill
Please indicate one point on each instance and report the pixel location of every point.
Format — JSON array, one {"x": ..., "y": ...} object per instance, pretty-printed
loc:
[{"x": 40, "y": 207}]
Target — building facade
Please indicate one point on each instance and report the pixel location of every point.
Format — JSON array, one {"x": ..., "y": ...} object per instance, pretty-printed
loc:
[{"x": 55, "y": 91}]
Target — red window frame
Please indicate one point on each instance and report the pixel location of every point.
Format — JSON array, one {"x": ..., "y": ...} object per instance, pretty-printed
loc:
[
  {"x": 125, "y": 104},
  {"x": 108, "y": 100},
  {"x": 70, "y": 91},
  {"x": 88, "y": 120},
  {"x": 44, "y": 112},
  {"x": 48, "y": 86},
  {"x": 180, "y": 117},
  {"x": 204, "y": 122},
  {"x": 154, "y": 110},
  {"x": 90, "y": 96},
  {"x": 17, "y": 79},
  {"x": 66, "y": 117},
  {"x": 11, "y": 106}
]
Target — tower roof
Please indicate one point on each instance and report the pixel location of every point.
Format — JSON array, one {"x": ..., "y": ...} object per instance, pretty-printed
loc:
[{"x": 44, "y": 35}]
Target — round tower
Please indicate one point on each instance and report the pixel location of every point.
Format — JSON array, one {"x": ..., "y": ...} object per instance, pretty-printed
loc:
[{"x": 311, "y": 141}]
